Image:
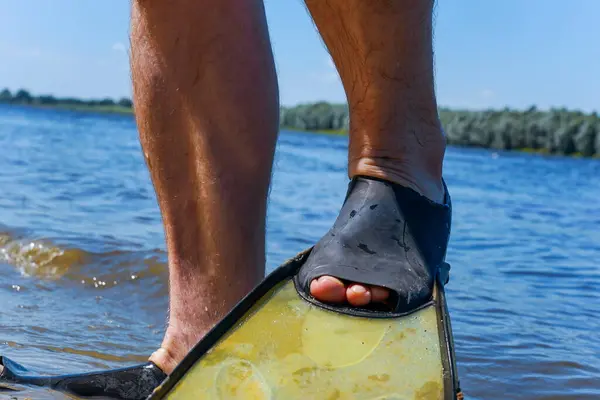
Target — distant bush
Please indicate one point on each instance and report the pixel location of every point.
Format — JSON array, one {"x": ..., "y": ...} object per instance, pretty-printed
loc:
[
  {"x": 22, "y": 97},
  {"x": 5, "y": 96},
  {"x": 125, "y": 102}
]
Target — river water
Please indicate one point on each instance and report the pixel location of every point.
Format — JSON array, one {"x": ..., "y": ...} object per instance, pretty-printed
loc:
[{"x": 83, "y": 277}]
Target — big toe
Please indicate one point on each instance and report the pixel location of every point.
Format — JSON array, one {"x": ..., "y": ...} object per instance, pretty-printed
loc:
[{"x": 328, "y": 289}]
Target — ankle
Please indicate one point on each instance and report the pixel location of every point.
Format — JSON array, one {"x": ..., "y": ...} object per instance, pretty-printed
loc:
[
  {"x": 418, "y": 167},
  {"x": 402, "y": 174},
  {"x": 198, "y": 301}
]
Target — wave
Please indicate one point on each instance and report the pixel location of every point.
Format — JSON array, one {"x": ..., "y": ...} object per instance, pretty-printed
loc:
[{"x": 42, "y": 259}]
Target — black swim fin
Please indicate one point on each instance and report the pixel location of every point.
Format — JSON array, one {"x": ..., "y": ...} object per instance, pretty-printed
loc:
[{"x": 131, "y": 383}]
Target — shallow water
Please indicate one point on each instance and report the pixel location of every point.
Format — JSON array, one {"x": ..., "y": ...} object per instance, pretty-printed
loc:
[{"x": 83, "y": 281}]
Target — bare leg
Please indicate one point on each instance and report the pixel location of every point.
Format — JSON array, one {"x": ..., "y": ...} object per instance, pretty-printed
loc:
[
  {"x": 206, "y": 103},
  {"x": 384, "y": 53}
]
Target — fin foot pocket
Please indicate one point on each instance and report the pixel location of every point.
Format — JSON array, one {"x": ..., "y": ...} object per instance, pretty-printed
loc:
[
  {"x": 131, "y": 383},
  {"x": 385, "y": 235}
]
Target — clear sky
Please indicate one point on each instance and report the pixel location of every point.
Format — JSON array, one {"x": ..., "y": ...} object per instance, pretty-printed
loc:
[{"x": 489, "y": 53}]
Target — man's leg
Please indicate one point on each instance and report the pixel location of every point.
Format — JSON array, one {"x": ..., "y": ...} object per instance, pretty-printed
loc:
[
  {"x": 206, "y": 103},
  {"x": 383, "y": 51}
]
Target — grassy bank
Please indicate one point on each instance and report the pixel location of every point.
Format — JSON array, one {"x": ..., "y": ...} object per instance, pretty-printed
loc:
[
  {"x": 114, "y": 109},
  {"x": 339, "y": 132}
]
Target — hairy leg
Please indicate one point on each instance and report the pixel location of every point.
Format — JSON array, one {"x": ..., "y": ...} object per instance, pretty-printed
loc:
[
  {"x": 384, "y": 53},
  {"x": 207, "y": 109}
]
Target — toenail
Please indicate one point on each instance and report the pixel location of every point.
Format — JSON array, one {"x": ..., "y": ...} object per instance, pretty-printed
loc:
[
  {"x": 327, "y": 278},
  {"x": 359, "y": 289}
]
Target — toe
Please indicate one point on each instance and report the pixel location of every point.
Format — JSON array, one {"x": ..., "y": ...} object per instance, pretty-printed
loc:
[
  {"x": 328, "y": 289},
  {"x": 358, "y": 295},
  {"x": 379, "y": 294}
]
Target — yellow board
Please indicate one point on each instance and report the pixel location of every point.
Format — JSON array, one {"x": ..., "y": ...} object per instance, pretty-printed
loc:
[{"x": 286, "y": 348}]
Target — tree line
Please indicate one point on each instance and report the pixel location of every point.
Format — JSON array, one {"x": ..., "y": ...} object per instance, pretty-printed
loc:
[
  {"x": 23, "y": 97},
  {"x": 556, "y": 131}
]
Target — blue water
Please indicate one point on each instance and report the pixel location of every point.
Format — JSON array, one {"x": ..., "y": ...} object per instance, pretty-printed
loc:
[{"x": 83, "y": 277}]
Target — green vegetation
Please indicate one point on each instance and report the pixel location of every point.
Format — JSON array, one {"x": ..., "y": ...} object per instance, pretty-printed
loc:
[
  {"x": 557, "y": 131},
  {"x": 23, "y": 97}
]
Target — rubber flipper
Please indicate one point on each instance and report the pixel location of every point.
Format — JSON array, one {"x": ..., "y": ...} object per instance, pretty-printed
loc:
[
  {"x": 280, "y": 343},
  {"x": 132, "y": 383},
  {"x": 275, "y": 345},
  {"x": 385, "y": 235}
]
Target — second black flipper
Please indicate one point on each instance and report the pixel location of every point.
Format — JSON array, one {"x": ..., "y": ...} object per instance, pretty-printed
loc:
[{"x": 132, "y": 383}]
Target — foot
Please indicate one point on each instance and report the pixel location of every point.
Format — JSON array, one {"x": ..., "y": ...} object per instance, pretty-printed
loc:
[{"x": 330, "y": 289}]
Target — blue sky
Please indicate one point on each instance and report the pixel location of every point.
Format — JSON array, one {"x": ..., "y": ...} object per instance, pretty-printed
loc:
[{"x": 489, "y": 53}]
